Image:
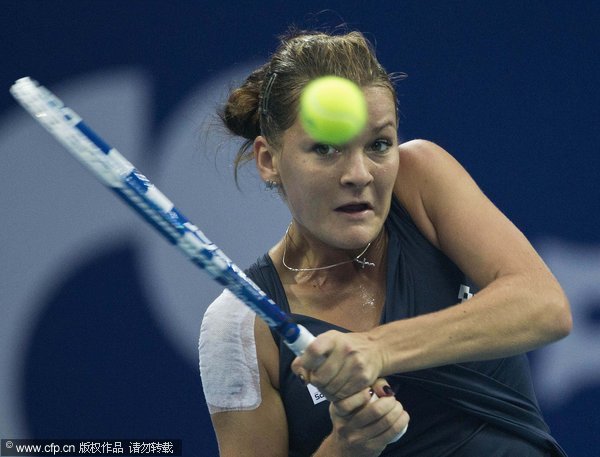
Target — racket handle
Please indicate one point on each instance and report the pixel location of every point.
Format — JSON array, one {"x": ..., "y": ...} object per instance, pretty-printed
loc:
[{"x": 302, "y": 342}]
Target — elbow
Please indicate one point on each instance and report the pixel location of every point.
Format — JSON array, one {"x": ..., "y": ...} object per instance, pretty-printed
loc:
[{"x": 560, "y": 323}]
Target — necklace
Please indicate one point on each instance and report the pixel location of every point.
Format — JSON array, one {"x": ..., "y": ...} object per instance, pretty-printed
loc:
[{"x": 356, "y": 259}]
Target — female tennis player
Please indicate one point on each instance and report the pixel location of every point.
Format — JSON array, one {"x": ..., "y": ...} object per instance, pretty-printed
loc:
[{"x": 418, "y": 288}]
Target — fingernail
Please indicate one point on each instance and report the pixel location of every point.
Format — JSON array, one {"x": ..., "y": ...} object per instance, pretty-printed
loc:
[
  {"x": 371, "y": 392},
  {"x": 388, "y": 391},
  {"x": 302, "y": 379}
]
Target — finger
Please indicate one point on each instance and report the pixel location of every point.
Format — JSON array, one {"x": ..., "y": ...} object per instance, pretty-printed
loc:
[
  {"x": 332, "y": 376},
  {"x": 320, "y": 363},
  {"x": 382, "y": 388},
  {"x": 317, "y": 352},
  {"x": 348, "y": 406},
  {"x": 311, "y": 358},
  {"x": 375, "y": 411},
  {"x": 393, "y": 424},
  {"x": 351, "y": 378},
  {"x": 298, "y": 368},
  {"x": 396, "y": 429}
]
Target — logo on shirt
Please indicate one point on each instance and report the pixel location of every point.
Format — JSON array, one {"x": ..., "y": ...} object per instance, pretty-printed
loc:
[
  {"x": 464, "y": 293},
  {"x": 317, "y": 397}
]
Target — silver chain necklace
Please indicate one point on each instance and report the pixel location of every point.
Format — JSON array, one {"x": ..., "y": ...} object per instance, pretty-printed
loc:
[{"x": 356, "y": 259}]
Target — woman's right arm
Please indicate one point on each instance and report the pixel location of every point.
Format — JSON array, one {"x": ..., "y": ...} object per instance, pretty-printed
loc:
[
  {"x": 261, "y": 432},
  {"x": 249, "y": 428},
  {"x": 239, "y": 363}
]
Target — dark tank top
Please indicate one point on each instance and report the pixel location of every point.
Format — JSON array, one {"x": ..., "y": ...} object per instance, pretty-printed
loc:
[{"x": 471, "y": 409}]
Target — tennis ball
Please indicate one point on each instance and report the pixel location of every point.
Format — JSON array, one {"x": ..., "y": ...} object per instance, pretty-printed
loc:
[{"x": 333, "y": 110}]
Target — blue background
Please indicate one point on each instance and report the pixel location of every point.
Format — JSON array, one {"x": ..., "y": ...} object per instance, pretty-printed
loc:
[{"x": 93, "y": 346}]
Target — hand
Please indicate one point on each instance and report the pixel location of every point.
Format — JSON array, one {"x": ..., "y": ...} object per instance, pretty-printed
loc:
[
  {"x": 339, "y": 364},
  {"x": 362, "y": 427}
]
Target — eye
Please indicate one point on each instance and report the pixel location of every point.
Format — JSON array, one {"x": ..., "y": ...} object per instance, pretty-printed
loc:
[
  {"x": 324, "y": 150},
  {"x": 380, "y": 146}
]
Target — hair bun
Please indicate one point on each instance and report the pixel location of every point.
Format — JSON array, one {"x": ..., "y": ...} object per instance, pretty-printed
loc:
[{"x": 240, "y": 114}]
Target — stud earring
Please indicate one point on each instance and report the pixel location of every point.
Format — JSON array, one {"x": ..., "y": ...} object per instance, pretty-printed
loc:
[{"x": 270, "y": 185}]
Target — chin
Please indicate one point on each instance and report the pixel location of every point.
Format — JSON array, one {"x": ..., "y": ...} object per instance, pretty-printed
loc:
[{"x": 356, "y": 241}]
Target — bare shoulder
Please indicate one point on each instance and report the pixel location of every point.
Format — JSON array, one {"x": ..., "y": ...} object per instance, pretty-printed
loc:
[
  {"x": 419, "y": 158},
  {"x": 452, "y": 211},
  {"x": 418, "y": 146},
  {"x": 422, "y": 166}
]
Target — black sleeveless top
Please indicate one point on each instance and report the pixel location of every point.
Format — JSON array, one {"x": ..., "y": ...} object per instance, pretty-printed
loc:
[{"x": 472, "y": 409}]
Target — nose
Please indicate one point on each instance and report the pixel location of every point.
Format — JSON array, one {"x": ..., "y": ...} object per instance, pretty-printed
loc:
[{"x": 356, "y": 171}]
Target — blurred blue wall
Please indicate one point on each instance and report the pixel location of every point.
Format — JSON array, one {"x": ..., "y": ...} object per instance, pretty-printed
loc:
[{"x": 99, "y": 318}]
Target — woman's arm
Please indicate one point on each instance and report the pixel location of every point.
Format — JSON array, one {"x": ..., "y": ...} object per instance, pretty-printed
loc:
[
  {"x": 520, "y": 305},
  {"x": 260, "y": 432}
]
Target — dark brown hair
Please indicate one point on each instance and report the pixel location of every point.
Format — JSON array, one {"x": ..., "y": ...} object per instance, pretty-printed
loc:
[{"x": 267, "y": 102}]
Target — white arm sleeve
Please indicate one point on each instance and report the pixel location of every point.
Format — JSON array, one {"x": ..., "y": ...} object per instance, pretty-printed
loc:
[{"x": 228, "y": 362}]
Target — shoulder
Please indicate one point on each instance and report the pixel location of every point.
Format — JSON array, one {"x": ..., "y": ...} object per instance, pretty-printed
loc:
[
  {"x": 416, "y": 146},
  {"x": 226, "y": 310},
  {"x": 421, "y": 157},
  {"x": 228, "y": 361},
  {"x": 420, "y": 164}
]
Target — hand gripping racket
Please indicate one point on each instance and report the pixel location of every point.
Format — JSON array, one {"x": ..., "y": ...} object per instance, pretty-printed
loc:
[{"x": 118, "y": 174}]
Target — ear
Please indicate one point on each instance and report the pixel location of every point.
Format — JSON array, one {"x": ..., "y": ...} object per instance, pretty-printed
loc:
[{"x": 266, "y": 160}]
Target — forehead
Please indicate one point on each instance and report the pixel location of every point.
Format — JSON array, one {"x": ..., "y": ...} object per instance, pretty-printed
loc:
[
  {"x": 380, "y": 103},
  {"x": 381, "y": 108}
]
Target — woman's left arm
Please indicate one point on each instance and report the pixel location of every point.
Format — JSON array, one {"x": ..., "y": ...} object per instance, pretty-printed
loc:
[{"x": 520, "y": 305}]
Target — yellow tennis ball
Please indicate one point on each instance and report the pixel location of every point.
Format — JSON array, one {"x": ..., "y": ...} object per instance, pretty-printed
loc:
[{"x": 333, "y": 110}]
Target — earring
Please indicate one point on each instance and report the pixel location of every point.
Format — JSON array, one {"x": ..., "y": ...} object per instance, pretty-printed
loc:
[{"x": 270, "y": 185}]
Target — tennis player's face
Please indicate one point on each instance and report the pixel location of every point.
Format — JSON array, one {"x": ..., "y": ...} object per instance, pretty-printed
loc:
[{"x": 341, "y": 194}]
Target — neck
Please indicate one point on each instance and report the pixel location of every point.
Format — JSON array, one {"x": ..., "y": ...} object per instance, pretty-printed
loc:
[{"x": 309, "y": 260}]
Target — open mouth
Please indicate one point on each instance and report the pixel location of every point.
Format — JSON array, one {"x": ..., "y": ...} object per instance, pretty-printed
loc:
[{"x": 354, "y": 208}]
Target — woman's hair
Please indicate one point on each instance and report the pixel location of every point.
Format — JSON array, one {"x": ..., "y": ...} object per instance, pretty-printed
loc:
[{"x": 267, "y": 102}]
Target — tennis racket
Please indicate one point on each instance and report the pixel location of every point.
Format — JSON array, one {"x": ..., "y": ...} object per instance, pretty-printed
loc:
[{"x": 118, "y": 174}]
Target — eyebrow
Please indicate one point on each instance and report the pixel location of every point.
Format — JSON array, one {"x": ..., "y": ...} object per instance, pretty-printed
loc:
[{"x": 384, "y": 125}]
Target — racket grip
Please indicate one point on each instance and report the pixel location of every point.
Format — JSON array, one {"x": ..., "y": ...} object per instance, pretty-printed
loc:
[{"x": 301, "y": 343}]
